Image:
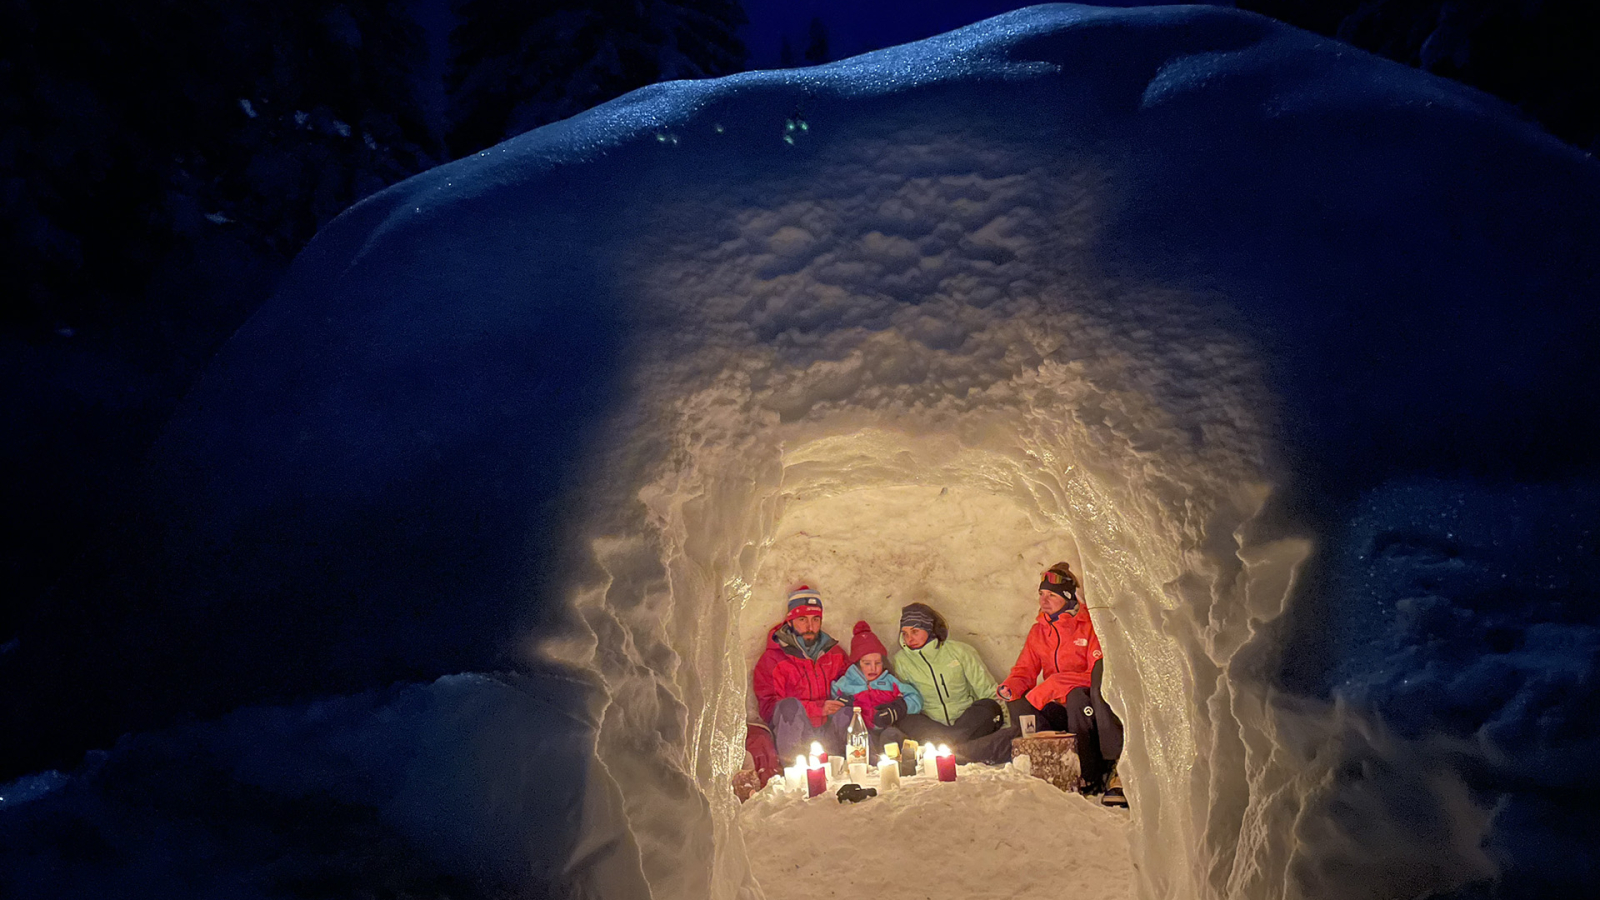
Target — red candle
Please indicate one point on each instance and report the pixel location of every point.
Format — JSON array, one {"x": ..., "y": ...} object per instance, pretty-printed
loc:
[
  {"x": 947, "y": 767},
  {"x": 816, "y": 780}
]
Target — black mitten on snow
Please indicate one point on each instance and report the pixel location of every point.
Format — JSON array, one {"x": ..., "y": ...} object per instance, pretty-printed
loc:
[
  {"x": 889, "y": 713},
  {"x": 855, "y": 793}
]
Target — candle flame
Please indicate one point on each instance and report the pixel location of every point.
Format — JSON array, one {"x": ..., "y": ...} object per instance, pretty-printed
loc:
[
  {"x": 816, "y": 763},
  {"x": 944, "y": 749},
  {"x": 799, "y": 762},
  {"x": 884, "y": 761}
]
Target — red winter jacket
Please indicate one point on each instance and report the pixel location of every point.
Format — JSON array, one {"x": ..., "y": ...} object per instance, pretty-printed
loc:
[
  {"x": 1063, "y": 651},
  {"x": 783, "y": 671}
]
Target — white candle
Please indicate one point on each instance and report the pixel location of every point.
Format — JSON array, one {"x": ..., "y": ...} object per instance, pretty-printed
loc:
[
  {"x": 794, "y": 777},
  {"x": 858, "y": 773},
  {"x": 888, "y": 775}
]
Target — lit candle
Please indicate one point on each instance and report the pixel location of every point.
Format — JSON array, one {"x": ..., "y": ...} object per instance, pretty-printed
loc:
[
  {"x": 816, "y": 778},
  {"x": 888, "y": 775},
  {"x": 818, "y": 752},
  {"x": 794, "y": 775},
  {"x": 946, "y": 764},
  {"x": 858, "y": 773}
]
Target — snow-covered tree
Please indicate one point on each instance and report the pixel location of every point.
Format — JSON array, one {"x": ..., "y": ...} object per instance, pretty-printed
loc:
[{"x": 518, "y": 65}]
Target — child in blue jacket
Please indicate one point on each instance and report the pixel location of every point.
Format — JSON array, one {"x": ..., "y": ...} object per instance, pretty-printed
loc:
[{"x": 882, "y": 697}]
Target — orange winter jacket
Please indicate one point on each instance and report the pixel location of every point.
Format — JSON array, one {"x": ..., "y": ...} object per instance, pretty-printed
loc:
[{"x": 1063, "y": 651}]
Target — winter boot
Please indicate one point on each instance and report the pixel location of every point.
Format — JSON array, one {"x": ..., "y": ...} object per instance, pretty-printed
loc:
[{"x": 1113, "y": 795}]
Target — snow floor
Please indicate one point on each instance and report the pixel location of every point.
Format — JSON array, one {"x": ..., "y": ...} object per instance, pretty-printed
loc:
[{"x": 981, "y": 836}]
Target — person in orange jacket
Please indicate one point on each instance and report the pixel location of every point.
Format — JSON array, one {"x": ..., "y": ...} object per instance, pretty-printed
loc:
[
  {"x": 793, "y": 680},
  {"x": 1057, "y": 680}
]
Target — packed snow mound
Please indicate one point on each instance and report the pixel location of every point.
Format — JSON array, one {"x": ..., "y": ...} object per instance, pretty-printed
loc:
[
  {"x": 1219, "y": 311},
  {"x": 377, "y": 793},
  {"x": 968, "y": 839}
]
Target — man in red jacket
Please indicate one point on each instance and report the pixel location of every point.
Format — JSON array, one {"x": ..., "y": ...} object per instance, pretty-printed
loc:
[
  {"x": 1063, "y": 648},
  {"x": 793, "y": 677}
]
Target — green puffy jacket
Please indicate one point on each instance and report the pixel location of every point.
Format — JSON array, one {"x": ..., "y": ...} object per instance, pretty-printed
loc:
[{"x": 949, "y": 674}]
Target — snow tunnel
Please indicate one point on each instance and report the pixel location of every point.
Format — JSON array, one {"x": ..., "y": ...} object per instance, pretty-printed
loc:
[{"x": 1266, "y": 336}]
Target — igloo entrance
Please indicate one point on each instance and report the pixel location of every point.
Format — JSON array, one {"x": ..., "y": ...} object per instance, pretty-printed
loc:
[
  {"x": 964, "y": 519},
  {"x": 974, "y": 556}
]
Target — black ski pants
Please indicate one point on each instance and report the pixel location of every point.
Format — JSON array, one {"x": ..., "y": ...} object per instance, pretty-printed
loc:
[{"x": 979, "y": 719}]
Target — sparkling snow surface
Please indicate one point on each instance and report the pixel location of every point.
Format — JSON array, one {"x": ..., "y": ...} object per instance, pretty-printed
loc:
[
  {"x": 1281, "y": 345},
  {"x": 992, "y": 833}
]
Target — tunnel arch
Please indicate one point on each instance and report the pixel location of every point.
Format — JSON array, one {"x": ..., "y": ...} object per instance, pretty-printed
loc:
[{"x": 1173, "y": 573}]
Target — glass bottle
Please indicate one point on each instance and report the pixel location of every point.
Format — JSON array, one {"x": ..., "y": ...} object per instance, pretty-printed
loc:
[{"x": 858, "y": 741}]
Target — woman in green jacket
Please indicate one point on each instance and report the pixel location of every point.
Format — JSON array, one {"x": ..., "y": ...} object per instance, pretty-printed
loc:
[{"x": 958, "y": 693}]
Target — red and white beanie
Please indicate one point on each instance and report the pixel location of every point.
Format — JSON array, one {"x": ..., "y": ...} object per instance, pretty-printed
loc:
[{"x": 803, "y": 601}]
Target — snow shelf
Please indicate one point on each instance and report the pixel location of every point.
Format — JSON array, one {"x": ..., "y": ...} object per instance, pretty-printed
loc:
[
  {"x": 975, "y": 837},
  {"x": 1280, "y": 343}
]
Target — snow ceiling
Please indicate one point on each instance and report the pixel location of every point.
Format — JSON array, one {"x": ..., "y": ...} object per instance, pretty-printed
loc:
[{"x": 1282, "y": 345}]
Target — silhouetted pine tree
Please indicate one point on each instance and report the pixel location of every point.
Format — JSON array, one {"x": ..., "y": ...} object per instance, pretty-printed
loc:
[
  {"x": 160, "y": 164},
  {"x": 129, "y": 124},
  {"x": 517, "y": 65},
  {"x": 817, "y": 49}
]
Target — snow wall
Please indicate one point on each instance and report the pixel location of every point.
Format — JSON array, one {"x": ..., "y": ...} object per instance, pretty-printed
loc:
[{"x": 1287, "y": 348}]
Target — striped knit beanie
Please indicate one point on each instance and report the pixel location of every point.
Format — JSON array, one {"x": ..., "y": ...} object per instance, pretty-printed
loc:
[
  {"x": 804, "y": 601},
  {"x": 917, "y": 615}
]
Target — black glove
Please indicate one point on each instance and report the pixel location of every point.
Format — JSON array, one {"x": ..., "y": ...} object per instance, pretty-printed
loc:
[
  {"x": 889, "y": 713},
  {"x": 855, "y": 793}
]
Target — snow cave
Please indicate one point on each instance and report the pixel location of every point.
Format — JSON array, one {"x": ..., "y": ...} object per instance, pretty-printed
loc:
[{"x": 480, "y": 522}]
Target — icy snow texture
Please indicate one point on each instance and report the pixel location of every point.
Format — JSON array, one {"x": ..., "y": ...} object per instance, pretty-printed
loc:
[{"x": 1215, "y": 309}]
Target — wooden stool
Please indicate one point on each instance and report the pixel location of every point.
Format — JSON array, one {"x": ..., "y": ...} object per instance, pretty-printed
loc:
[{"x": 1054, "y": 755}]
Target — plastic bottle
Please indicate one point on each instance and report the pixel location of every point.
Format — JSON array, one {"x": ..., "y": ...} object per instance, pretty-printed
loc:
[{"x": 858, "y": 743}]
